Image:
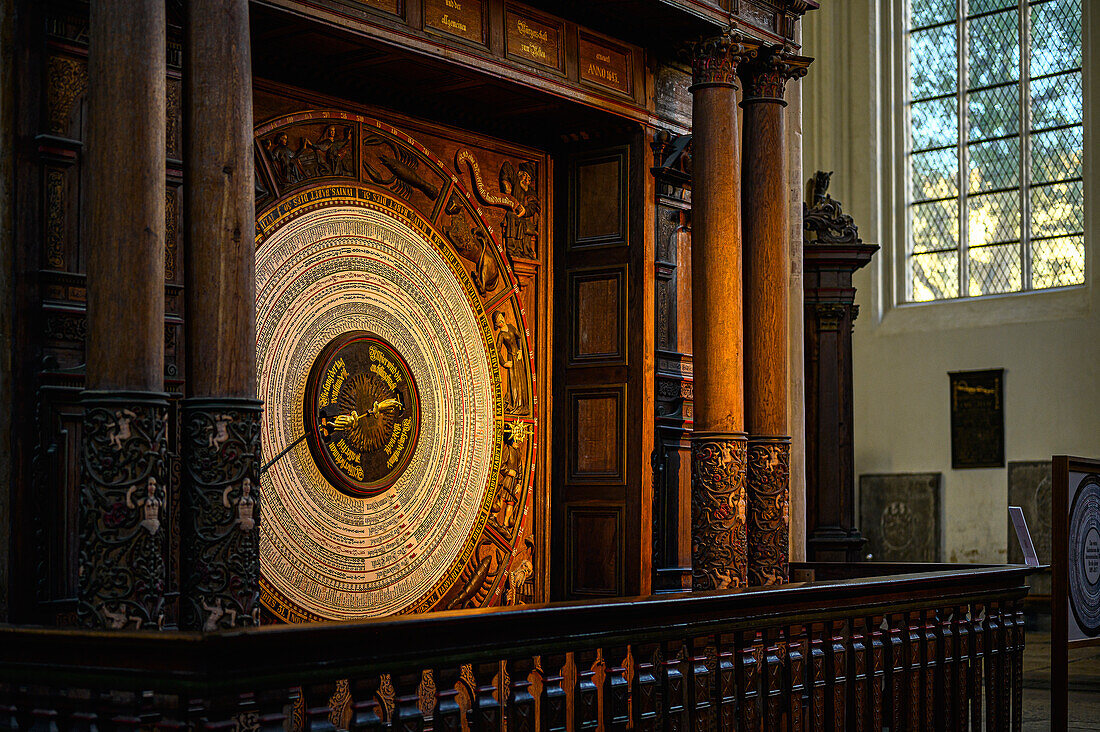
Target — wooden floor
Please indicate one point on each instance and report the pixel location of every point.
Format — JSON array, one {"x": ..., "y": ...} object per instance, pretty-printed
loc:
[{"x": 1084, "y": 684}]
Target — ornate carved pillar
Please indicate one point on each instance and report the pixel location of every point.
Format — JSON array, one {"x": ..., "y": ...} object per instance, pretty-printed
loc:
[
  {"x": 766, "y": 278},
  {"x": 122, "y": 496},
  {"x": 719, "y": 443},
  {"x": 833, "y": 251},
  {"x": 221, "y": 415}
]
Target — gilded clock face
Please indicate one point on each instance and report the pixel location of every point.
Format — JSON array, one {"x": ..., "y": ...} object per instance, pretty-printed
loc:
[{"x": 362, "y": 413}]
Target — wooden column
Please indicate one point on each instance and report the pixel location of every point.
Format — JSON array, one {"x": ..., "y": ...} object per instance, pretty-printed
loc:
[
  {"x": 122, "y": 518},
  {"x": 766, "y": 277},
  {"x": 718, "y": 444},
  {"x": 832, "y": 252},
  {"x": 221, "y": 415}
]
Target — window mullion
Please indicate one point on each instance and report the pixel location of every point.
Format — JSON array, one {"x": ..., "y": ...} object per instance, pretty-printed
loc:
[
  {"x": 1025, "y": 146},
  {"x": 962, "y": 45}
]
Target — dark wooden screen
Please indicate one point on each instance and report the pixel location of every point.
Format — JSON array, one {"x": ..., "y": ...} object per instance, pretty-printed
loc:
[{"x": 603, "y": 373}]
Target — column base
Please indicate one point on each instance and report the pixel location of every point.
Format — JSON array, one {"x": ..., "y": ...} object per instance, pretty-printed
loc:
[
  {"x": 769, "y": 489},
  {"x": 123, "y": 523},
  {"x": 718, "y": 510},
  {"x": 221, "y": 513}
]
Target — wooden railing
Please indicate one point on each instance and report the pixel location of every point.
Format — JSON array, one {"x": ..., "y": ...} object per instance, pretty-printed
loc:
[{"x": 935, "y": 650}]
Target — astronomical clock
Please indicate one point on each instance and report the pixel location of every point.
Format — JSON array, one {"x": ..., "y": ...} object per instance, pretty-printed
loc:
[{"x": 396, "y": 361}]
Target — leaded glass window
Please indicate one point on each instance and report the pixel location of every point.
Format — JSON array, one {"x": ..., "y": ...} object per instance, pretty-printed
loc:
[{"x": 994, "y": 91}]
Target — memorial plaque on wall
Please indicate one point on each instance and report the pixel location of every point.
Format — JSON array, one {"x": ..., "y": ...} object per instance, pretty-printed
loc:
[
  {"x": 1029, "y": 486},
  {"x": 900, "y": 516},
  {"x": 977, "y": 419}
]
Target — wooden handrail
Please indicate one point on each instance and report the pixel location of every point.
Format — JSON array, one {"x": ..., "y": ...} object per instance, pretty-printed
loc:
[{"x": 277, "y": 656}]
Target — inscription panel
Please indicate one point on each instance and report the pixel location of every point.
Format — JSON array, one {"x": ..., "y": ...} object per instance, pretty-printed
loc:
[
  {"x": 604, "y": 64},
  {"x": 534, "y": 40},
  {"x": 461, "y": 18}
]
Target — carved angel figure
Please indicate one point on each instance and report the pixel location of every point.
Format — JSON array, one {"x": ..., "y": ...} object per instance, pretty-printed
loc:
[{"x": 370, "y": 411}]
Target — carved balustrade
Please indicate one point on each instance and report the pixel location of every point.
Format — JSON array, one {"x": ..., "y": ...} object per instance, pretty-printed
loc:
[{"x": 940, "y": 649}]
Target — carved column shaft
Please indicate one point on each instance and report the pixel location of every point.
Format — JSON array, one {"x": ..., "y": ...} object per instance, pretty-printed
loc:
[
  {"x": 122, "y": 497},
  {"x": 719, "y": 507},
  {"x": 766, "y": 278},
  {"x": 221, "y": 416}
]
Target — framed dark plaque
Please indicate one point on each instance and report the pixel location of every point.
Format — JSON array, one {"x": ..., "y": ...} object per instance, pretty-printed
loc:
[{"x": 977, "y": 419}]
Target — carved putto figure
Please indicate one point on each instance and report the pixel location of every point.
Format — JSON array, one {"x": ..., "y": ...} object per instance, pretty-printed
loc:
[
  {"x": 120, "y": 430},
  {"x": 219, "y": 431},
  {"x": 513, "y": 369},
  {"x": 214, "y": 614}
]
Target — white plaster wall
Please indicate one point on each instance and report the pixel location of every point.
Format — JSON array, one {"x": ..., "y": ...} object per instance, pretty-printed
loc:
[{"x": 1048, "y": 343}]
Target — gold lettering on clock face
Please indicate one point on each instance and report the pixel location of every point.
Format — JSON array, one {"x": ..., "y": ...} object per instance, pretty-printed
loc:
[{"x": 362, "y": 413}]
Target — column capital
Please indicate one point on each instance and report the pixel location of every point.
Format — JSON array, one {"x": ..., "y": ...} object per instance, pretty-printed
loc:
[
  {"x": 714, "y": 60},
  {"x": 766, "y": 75}
]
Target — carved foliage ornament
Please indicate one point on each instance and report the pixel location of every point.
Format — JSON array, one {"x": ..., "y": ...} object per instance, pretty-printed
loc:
[
  {"x": 122, "y": 511},
  {"x": 221, "y": 512},
  {"x": 823, "y": 221},
  {"x": 718, "y": 512},
  {"x": 767, "y": 75},
  {"x": 769, "y": 477},
  {"x": 714, "y": 60}
]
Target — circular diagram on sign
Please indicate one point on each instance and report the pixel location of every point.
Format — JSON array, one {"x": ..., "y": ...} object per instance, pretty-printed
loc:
[
  {"x": 379, "y": 367},
  {"x": 362, "y": 413},
  {"x": 1084, "y": 564}
]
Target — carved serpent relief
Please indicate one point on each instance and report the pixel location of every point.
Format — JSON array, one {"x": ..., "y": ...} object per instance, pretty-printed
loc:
[
  {"x": 718, "y": 511},
  {"x": 221, "y": 510},
  {"x": 769, "y": 477},
  {"x": 122, "y": 510}
]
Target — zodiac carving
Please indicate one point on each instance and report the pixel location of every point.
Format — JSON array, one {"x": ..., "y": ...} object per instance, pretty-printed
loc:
[
  {"x": 472, "y": 244},
  {"x": 397, "y": 170},
  {"x": 325, "y": 156},
  {"x": 288, "y": 169},
  {"x": 513, "y": 370},
  {"x": 516, "y": 592},
  {"x": 518, "y": 195}
]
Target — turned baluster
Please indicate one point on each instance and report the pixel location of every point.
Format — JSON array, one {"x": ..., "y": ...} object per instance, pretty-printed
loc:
[
  {"x": 672, "y": 688},
  {"x": 586, "y": 704},
  {"x": 749, "y": 703},
  {"x": 774, "y": 658},
  {"x": 796, "y": 675},
  {"x": 645, "y": 695},
  {"x": 407, "y": 716},
  {"x": 962, "y": 656},
  {"x": 553, "y": 703},
  {"x": 945, "y": 652},
  {"x": 876, "y": 667},
  {"x": 836, "y": 665},
  {"x": 930, "y": 665},
  {"x": 817, "y": 666},
  {"x": 1018, "y": 669},
  {"x": 726, "y": 682},
  {"x": 367, "y": 714},
  {"x": 486, "y": 711},
  {"x": 977, "y": 657},
  {"x": 992, "y": 678},
  {"x": 857, "y": 672},
  {"x": 271, "y": 710},
  {"x": 616, "y": 693},
  {"x": 521, "y": 705},
  {"x": 699, "y": 684},
  {"x": 446, "y": 714},
  {"x": 913, "y": 657}
]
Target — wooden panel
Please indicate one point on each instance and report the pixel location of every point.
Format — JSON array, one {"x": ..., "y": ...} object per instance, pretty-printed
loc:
[
  {"x": 534, "y": 38},
  {"x": 462, "y": 18},
  {"x": 595, "y": 571},
  {"x": 598, "y": 321},
  {"x": 600, "y": 204},
  {"x": 597, "y": 419}
]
